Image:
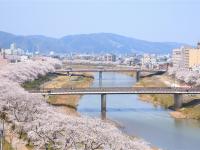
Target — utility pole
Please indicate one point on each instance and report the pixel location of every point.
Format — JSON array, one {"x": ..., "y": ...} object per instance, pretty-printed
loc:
[
  {"x": 2, "y": 130},
  {"x": 46, "y": 146},
  {"x": 1, "y": 139},
  {"x": 174, "y": 80}
]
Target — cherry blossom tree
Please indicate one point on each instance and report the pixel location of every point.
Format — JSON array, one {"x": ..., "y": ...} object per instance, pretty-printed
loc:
[
  {"x": 190, "y": 77},
  {"x": 44, "y": 125}
]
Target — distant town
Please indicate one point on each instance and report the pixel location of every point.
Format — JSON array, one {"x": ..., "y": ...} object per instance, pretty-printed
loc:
[
  {"x": 147, "y": 61},
  {"x": 183, "y": 57}
]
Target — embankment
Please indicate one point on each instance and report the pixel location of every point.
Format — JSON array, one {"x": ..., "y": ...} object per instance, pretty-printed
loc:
[
  {"x": 157, "y": 99},
  {"x": 68, "y": 102},
  {"x": 191, "y": 103}
]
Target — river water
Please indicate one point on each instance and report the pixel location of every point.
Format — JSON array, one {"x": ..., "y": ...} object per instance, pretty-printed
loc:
[{"x": 142, "y": 119}]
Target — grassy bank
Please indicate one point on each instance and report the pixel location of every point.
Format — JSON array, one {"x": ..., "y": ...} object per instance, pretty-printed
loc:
[
  {"x": 191, "y": 106},
  {"x": 7, "y": 146},
  {"x": 191, "y": 113},
  {"x": 71, "y": 101},
  {"x": 35, "y": 84},
  {"x": 61, "y": 81},
  {"x": 131, "y": 74},
  {"x": 157, "y": 99}
]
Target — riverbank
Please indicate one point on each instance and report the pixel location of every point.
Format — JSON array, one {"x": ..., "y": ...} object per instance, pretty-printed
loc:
[
  {"x": 68, "y": 103},
  {"x": 36, "y": 84},
  {"x": 191, "y": 103},
  {"x": 157, "y": 99}
]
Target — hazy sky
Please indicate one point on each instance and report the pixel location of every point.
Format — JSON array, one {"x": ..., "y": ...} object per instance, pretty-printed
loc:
[{"x": 154, "y": 20}]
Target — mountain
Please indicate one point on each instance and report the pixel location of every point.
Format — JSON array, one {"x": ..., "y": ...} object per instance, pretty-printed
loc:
[{"x": 97, "y": 42}]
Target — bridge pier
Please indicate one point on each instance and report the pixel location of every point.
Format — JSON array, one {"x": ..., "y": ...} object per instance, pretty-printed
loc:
[
  {"x": 100, "y": 78},
  {"x": 137, "y": 76},
  {"x": 103, "y": 103},
  {"x": 103, "y": 115},
  {"x": 178, "y": 101}
]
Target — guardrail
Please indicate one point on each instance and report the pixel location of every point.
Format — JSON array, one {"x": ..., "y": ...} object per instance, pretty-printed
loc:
[{"x": 118, "y": 90}]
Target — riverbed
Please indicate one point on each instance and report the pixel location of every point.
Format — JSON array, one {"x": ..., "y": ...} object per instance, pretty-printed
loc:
[{"x": 141, "y": 119}]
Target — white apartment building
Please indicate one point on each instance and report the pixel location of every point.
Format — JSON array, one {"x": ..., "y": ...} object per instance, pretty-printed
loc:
[
  {"x": 148, "y": 61},
  {"x": 177, "y": 57},
  {"x": 110, "y": 57},
  {"x": 13, "y": 54},
  {"x": 13, "y": 50}
]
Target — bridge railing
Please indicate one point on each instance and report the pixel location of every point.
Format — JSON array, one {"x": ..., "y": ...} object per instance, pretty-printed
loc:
[
  {"x": 111, "y": 70},
  {"x": 179, "y": 89}
]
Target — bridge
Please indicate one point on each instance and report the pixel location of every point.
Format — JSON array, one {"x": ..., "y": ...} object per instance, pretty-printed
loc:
[
  {"x": 100, "y": 71},
  {"x": 103, "y": 91}
]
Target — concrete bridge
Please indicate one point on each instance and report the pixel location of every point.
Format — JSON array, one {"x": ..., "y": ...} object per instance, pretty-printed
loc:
[
  {"x": 100, "y": 71},
  {"x": 103, "y": 91}
]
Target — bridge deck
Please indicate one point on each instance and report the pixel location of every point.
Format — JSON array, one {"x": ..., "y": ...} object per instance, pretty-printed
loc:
[
  {"x": 117, "y": 90},
  {"x": 109, "y": 70}
]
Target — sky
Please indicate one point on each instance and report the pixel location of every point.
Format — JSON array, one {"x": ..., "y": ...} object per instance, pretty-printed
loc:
[{"x": 152, "y": 20}]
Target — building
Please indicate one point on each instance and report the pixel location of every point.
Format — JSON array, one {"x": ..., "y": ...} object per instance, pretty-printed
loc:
[
  {"x": 131, "y": 61},
  {"x": 148, "y": 61},
  {"x": 13, "y": 46},
  {"x": 83, "y": 56},
  {"x": 192, "y": 57},
  {"x": 177, "y": 57},
  {"x": 24, "y": 58},
  {"x": 186, "y": 57},
  {"x": 110, "y": 57},
  {"x": 148, "y": 58},
  {"x": 12, "y": 55},
  {"x": 13, "y": 50}
]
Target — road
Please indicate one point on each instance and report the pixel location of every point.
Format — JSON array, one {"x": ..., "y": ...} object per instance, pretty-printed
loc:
[{"x": 118, "y": 90}]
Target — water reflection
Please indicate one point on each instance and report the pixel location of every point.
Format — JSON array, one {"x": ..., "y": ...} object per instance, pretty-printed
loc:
[{"x": 180, "y": 123}]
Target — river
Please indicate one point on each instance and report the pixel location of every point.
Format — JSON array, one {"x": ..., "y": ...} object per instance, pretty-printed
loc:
[{"x": 142, "y": 119}]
